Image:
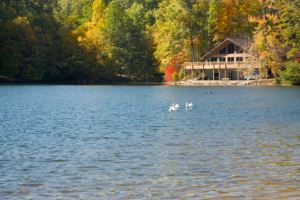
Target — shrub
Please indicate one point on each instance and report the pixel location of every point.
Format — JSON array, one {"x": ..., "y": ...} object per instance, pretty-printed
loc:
[
  {"x": 291, "y": 75},
  {"x": 175, "y": 76},
  {"x": 181, "y": 74},
  {"x": 169, "y": 73}
]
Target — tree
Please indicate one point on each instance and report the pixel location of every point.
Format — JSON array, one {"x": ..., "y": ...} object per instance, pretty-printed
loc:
[
  {"x": 289, "y": 24},
  {"x": 213, "y": 10},
  {"x": 267, "y": 38},
  {"x": 74, "y": 13},
  {"x": 129, "y": 46},
  {"x": 170, "y": 32},
  {"x": 291, "y": 75},
  {"x": 230, "y": 18},
  {"x": 170, "y": 70}
]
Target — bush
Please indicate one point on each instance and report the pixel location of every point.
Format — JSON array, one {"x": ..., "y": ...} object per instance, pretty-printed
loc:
[
  {"x": 291, "y": 75},
  {"x": 175, "y": 76},
  {"x": 169, "y": 71},
  {"x": 181, "y": 74}
]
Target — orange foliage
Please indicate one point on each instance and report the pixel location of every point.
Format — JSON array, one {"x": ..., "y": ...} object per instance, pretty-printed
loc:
[{"x": 169, "y": 71}]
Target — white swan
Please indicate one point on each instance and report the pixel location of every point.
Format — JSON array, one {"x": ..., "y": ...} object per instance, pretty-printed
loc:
[
  {"x": 188, "y": 105},
  {"x": 173, "y": 107},
  {"x": 176, "y": 105}
]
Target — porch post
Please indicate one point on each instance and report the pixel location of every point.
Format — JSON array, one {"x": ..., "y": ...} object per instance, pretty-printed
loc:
[
  {"x": 214, "y": 71},
  {"x": 238, "y": 71},
  {"x": 219, "y": 71},
  {"x": 225, "y": 70},
  {"x": 203, "y": 74},
  {"x": 192, "y": 72}
]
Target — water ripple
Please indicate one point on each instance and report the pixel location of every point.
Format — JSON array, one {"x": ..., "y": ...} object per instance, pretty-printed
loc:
[{"x": 120, "y": 142}]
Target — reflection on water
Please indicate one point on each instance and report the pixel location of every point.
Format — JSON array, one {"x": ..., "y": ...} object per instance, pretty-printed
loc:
[{"x": 119, "y": 142}]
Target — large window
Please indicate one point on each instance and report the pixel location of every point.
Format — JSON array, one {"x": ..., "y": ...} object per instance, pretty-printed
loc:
[
  {"x": 230, "y": 59},
  {"x": 222, "y": 51},
  {"x": 239, "y": 59},
  {"x": 230, "y": 48},
  {"x": 222, "y": 59},
  {"x": 213, "y": 59}
]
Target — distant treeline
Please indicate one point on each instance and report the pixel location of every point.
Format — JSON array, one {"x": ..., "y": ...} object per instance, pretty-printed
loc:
[{"x": 136, "y": 40}]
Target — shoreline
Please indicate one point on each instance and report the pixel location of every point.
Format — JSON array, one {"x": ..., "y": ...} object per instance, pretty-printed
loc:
[
  {"x": 238, "y": 83},
  {"x": 188, "y": 83},
  {"x": 86, "y": 83}
]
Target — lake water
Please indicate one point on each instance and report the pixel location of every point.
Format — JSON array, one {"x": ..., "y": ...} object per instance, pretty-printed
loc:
[{"x": 120, "y": 142}]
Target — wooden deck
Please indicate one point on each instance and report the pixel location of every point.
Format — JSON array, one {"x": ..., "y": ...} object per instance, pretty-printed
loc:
[
  {"x": 258, "y": 82},
  {"x": 220, "y": 70},
  {"x": 221, "y": 65}
]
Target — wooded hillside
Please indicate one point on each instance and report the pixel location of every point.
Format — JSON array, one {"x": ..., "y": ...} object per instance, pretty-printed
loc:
[{"x": 137, "y": 40}]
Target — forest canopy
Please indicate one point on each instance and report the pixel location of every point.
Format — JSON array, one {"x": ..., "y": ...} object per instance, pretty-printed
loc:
[{"x": 139, "y": 40}]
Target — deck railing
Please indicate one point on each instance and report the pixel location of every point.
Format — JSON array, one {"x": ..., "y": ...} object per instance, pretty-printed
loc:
[{"x": 221, "y": 65}]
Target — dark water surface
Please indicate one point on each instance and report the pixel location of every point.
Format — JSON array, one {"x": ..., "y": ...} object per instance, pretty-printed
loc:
[{"x": 120, "y": 142}]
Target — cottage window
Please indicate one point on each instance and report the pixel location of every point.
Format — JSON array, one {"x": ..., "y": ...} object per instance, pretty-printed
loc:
[
  {"x": 222, "y": 59},
  {"x": 213, "y": 59},
  {"x": 239, "y": 59},
  {"x": 230, "y": 48},
  {"x": 230, "y": 59},
  {"x": 222, "y": 51}
]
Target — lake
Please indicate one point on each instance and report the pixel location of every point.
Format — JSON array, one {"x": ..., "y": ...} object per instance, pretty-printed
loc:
[{"x": 120, "y": 142}]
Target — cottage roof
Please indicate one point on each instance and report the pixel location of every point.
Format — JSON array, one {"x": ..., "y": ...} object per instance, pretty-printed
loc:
[{"x": 242, "y": 43}]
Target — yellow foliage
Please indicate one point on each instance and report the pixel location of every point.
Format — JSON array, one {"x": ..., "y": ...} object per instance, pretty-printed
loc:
[
  {"x": 92, "y": 37},
  {"x": 21, "y": 20},
  {"x": 234, "y": 18},
  {"x": 267, "y": 45}
]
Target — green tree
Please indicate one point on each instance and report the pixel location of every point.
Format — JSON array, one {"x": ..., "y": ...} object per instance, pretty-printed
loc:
[
  {"x": 213, "y": 10},
  {"x": 129, "y": 45},
  {"x": 291, "y": 75},
  {"x": 170, "y": 33},
  {"x": 290, "y": 24}
]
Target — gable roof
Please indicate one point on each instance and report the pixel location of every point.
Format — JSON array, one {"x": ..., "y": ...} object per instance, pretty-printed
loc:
[{"x": 242, "y": 43}]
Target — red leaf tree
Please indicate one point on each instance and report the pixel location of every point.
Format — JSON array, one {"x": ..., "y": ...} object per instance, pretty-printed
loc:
[{"x": 170, "y": 70}]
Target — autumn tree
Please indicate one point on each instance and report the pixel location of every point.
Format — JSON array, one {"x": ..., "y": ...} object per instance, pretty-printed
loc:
[
  {"x": 267, "y": 38},
  {"x": 170, "y": 32}
]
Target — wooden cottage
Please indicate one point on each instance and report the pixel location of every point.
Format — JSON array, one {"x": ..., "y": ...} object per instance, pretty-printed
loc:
[{"x": 229, "y": 60}]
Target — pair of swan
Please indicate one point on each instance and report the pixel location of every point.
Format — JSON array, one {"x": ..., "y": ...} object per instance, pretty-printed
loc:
[{"x": 174, "y": 107}]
